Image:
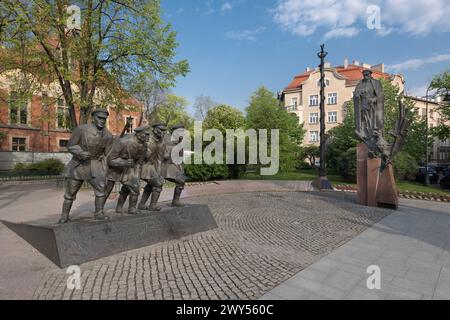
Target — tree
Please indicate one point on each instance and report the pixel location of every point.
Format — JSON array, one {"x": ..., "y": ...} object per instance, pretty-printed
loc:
[
  {"x": 264, "y": 112},
  {"x": 202, "y": 105},
  {"x": 223, "y": 117},
  {"x": 310, "y": 152},
  {"x": 173, "y": 112},
  {"x": 116, "y": 44},
  {"x": 441, "y": 83}
]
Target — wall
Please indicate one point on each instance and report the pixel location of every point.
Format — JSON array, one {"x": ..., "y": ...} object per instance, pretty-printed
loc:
[{"x": 9, "y": 159}]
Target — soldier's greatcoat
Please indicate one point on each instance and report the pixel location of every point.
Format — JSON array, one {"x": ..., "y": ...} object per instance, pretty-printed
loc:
[
  {"x": 170, "y": 170},
  {"x": 124, "y": 149},
  {"x": 369, "y": 106},
  {"x": 87, "y": 138},
  {"x": 151, "y": 168}
]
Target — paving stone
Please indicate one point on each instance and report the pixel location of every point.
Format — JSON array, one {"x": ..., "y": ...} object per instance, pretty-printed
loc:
[{"x": 263, "y": 239}]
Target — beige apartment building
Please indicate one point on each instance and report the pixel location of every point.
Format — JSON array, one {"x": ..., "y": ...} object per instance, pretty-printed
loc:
[{"x": 302, "y": 97}]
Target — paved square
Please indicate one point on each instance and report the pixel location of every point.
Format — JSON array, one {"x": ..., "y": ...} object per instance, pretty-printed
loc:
[{"x": 263, "y": 239}]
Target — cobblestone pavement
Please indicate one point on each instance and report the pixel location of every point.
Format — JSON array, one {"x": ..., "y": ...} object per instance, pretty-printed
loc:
[{"x": 262, "y": 240}]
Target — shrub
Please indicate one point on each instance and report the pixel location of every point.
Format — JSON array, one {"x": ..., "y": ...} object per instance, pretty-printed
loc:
[
  {"x": 44, "y": 167},
  {"x": 205, "y": 172},
  {"x": 347, "y": 164},
  {"x": 405, "y": 166}
]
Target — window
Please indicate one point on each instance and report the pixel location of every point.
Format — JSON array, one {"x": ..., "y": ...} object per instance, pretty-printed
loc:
[
  {"x": 130, "y": 124},
  {"x": 19, "y": 144},
  {"x": 18, "y": 108},
  {"x": 313, "y": 118},
  {"x": 327, "y": 82},
  {"x": 314, "y": 136},
  {"x": 63, "y": 145},
  {"x": 295, "y": 102},
  {"x": 332, "y": 117},
  {"x": 62, "y": 115},
  {"x": 314, "y": 100},
  {"x": 332, "y": 98}
]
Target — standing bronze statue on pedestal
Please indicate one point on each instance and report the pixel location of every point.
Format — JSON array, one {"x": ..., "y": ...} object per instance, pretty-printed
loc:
[
  {"x": 124, "y": 163},
  {"x": 151, "y": 169},
  {"x": 171, "y": 171},
  {"x": 375, "y": 175},
  {"x": 89, "y": 145}
]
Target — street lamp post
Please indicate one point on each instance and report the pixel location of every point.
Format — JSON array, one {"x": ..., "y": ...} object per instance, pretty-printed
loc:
[
  {"x": 322, "y": 183},
  {"x": 427, "y": 176}
]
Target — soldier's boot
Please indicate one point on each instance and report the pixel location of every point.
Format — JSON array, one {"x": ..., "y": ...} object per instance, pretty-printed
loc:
[
  {"x": 154, "y": 201},
  {"x": 99, "y": 205},
  {"x": 176, "y": 197},
  {"x": 120, "y": 202},
  {"x": 133, "y": 203},
  {"x": 144, "y": 198},
  {"x": 67, "y": 205}
]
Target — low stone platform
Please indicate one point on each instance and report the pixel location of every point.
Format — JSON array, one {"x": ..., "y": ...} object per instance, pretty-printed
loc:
[{"x": 86, "y": 239}]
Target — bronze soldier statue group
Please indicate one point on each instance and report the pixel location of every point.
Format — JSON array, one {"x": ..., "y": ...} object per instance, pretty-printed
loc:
[{"x": 102, "y": 161}]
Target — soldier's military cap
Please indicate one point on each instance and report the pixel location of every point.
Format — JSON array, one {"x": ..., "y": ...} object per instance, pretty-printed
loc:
[
  {"x": 367, "y": 71},
  {"x": 101, "y": 110},
  {"x": 140, "y": 129},
  {"x": 180, "y": 126},
  {"x": 161, "y": 126}
]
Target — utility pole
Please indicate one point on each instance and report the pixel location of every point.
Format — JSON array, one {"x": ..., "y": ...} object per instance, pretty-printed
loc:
[{"x": 322, "y": 183}]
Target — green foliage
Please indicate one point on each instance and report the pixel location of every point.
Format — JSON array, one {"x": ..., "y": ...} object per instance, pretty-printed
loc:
[
  {"x": 341, "y": 138},
  {"x": 405, "y": 166},
  {"x": 223, "y": 117},
  {"x": 2, "y": 136},
  {"x": 119, "y": 43},
  {"x": 44, "y": 167},
  {"x": 310, "y": 152},
  {"x": 441, "y": 83},
  {"x": 264, "y": 112},
  {"x": 346, "y": 164},
  {"x": 173, "y": 112},
  {"x": 205, "y": 172}
]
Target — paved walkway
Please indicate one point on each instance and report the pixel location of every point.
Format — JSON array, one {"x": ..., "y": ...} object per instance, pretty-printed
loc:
[
  {"x": 411, "y": 248},
  {"x": 253, "y": 253}
]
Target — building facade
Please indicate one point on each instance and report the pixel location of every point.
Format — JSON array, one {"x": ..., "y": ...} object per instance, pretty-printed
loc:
[
  {"x": 37, "y": 129},
  {"x": 302, "y": 97}
]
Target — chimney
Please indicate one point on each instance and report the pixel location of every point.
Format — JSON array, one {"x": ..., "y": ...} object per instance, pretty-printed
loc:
[
  {"x": 356, "y": 62},
  {"x": 366, "y": 65},
  {"x": 308, "y": 69},
  {"x": 379, "y": 67},
  {"x": 345, "y": 63},
  {"x": 327, "y": 65}
]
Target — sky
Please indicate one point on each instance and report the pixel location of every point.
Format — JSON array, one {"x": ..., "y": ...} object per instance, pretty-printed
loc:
[{"x": 235, "y": 46}]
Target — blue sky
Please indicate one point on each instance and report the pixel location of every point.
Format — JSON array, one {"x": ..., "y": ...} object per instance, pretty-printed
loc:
[{"x": 235, "y": 46}]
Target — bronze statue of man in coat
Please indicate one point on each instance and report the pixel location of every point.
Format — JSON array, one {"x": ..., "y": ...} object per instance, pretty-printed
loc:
[
  {"x": 170, "y": 170},
  {"x": 124, "y": 163},
  {"x": 89, "y": 146},
  {"x": 369, "y": 106}
]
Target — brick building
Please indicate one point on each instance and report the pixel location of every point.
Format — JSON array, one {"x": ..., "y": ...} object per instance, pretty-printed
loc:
[{"x": 38, "y": 129}]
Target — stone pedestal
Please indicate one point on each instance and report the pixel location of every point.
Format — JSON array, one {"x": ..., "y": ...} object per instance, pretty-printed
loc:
[
  {"x": 86, "y": 239},
  {"x": 367, "y": 176},
  {"x": 387, "y": 195}
]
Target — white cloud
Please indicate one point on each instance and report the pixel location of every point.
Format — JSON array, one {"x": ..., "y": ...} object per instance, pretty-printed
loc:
[
  {"x": 414, "y": 17},
  {"x": 226, "y": 7},
  {"x": 341, "y": 32},
  {"x": 248, "y": 35},
  {"x": 412, "y": 64},
  {"x": 179, "y": 11}
]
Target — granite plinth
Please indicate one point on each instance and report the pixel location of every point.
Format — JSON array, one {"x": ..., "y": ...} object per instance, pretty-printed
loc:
[{"x": 84, "y": 240}]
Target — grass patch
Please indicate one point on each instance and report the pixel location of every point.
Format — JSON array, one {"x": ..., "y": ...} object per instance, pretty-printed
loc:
[{"x": 311, "y": 174}]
